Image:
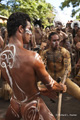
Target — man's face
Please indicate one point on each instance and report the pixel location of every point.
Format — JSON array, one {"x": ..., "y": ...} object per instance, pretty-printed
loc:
[
  {"x": 54, "y": 41},
  {"x": 27, "y": 33}
]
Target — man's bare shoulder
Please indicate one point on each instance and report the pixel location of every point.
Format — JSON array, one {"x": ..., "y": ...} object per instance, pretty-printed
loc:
[
  {"x": 36, "y": 59},
  {"x": 33, "y": 57},
  {"x": 30, "y": 55},
  {"x": 65, "y": 52}
]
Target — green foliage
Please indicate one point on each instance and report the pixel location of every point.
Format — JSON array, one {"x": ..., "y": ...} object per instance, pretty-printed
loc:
[
  {"x": 2, "y": 24},
  {"x": 75, "y": 4},
  {"x": 78, "y": 17},
  {"x": 37, "y": 9}
]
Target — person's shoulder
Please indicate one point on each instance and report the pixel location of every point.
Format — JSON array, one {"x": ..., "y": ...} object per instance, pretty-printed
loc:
[
  {"x": 64, "y": 50},
  {"x": 37, "y": 61},
  {"x": 31, "y": 57},
  {"x": 31, "y": 54}
]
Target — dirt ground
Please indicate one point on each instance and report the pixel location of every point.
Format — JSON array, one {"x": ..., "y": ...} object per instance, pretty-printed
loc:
[{"x": 70, "y": 107}]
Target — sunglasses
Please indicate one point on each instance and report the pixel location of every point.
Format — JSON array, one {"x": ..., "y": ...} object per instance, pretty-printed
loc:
[{"x": 28, "y": 31}]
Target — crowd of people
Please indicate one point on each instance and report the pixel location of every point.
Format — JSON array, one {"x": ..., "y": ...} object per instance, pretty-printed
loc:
[{"x": 34, "y": 61}]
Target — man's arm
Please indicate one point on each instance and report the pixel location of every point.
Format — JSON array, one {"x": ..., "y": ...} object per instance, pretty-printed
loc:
[
  {"x": 65, "y": 36},
  {"x": 43, "y": 76},
  {"x": 67, "y": 61}
]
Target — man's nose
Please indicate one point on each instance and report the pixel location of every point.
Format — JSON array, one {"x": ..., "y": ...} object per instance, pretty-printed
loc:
[{"x": 57, "y": 42}]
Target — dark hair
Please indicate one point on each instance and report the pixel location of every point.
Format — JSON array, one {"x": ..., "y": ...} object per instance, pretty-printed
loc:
[
  {"x": 15, "y": 20},
  {"x": 51, "y": 34},
  {"x": 75, "y": 24}
]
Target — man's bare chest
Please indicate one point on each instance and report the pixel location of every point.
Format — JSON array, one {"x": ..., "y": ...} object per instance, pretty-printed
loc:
[{"x": 54, "y": 56}]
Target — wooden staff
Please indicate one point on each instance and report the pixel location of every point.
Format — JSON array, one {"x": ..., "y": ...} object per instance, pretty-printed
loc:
[{"x": 60, "y": 97}]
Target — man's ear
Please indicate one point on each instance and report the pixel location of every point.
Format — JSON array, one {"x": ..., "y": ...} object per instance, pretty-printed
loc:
[{"x": 20, "y": 29}]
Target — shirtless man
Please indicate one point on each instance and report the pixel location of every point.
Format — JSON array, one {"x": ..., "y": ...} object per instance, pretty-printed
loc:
[
  {"x": 57, "y": 60},
  {"x": 23, "y": 69},
  {"x": 64, "y": 42},
  {"x": 38, "y": 35}
]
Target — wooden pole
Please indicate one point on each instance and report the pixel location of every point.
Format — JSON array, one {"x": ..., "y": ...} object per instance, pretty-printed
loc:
[{"x": 60, "y": 97}]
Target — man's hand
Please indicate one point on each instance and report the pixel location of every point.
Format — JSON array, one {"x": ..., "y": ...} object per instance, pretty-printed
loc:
[
  {"x": 64, "y": 87},
  {"x": 59, "y": 87},
  {"x": 53, "y": 93}
]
